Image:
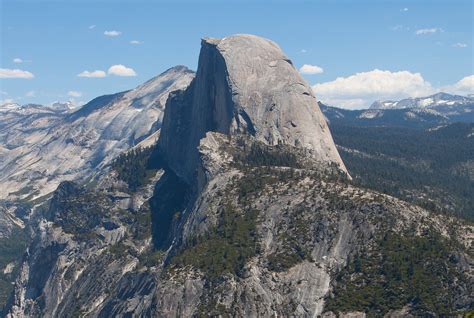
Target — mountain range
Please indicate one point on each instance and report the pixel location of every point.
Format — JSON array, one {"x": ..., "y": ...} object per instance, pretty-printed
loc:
[
  {"x": 435, "y": 110},
  {"x": 434, "y": 101},
  {"x": 218, "y": 193},
  {"x": 42, "y": 146}
]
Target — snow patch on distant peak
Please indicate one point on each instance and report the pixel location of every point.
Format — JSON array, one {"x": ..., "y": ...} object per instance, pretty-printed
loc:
[
  {"x": 8, "y": 106},
  {"x": 370, "y": 114},
  {"x": 425, "y": 102}
]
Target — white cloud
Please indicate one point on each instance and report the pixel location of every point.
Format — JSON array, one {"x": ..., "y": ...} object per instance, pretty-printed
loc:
[
  {"x": 400, "y": 27},
  {"x": 9, "y": 73},
  {"x": 30, "y": 94},
  {"x": 18, "y": 60},
  {"x": 112, "y": 33},
  {"x": 405, "y": 9},
  {"x": 7, "y": 101},
  {"x": 361, "y": 89},
  {"x": 3, "y": 93},
  {"x": 303, "y": 51},
  {"x": 136, "y": 42},
  {"x": 311, "y": 69},
  {"x": 460, "y": 45},
  {"x": 121, "y": 70},
  {"x": 464, "y": 86},
  {"x": 117, "y": 70},
  {"x": 91, "y": 27},
  {"x": 74, "y": 94},
  {"x": 428, "y": 31},
  {"x": 97, "y": 73}
]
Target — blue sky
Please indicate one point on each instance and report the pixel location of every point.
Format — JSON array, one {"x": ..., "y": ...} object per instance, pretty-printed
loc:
[{"x": 359, "y": 51}]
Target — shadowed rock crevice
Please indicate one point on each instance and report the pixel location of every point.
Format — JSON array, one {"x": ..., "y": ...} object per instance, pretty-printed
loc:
[
  {"x": 169, "y": 200},
  {"x": 45, "y": 260}
]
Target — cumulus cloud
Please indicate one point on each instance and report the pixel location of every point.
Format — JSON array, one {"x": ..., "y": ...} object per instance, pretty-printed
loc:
[
  {"x": 361, "y": 89},
  {"x": 117, "y": 70},
  {"x": 136, "y": 42},
  {"x": 121, "y": 70},
  {"x": 30, "y": 94},
  {"x": 97, "y": 73},
  {"x": 464, "y": 86},
  {"x": 112, "y": 33},
  {"x": 428, "y": 31},
  {"x": 15, "y": 73},
  {"x": 311, "y": 69},
  {"x": 74, "y": 94},
  {"x": 460, "y": 45}
]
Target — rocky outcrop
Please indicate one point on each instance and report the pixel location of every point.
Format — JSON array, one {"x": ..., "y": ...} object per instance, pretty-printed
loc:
[{"x": 244, "y": 84}]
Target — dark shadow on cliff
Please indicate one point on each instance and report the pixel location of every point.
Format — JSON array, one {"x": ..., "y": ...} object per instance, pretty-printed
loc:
[{"x": 169, "y": 200}]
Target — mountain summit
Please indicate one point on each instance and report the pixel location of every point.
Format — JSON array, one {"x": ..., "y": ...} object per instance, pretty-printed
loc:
[{"x": 244, "y": 84}]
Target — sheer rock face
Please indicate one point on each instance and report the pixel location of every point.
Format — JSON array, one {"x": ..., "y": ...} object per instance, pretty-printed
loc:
[{"x": 244, "y": 84}]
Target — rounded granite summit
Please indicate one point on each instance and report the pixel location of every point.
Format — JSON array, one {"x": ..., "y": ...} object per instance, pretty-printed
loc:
[
  {"x": 246, "y": 84},
  {"x": 279, "y": 102}
]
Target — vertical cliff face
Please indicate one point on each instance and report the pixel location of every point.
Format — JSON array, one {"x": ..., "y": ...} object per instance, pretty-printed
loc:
[{"x": 244, "y": 84}]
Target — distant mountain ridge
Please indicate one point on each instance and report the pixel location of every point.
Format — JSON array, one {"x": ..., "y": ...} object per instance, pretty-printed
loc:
[
  {"x": 432, "y": 101},
  {"x": 41, "y": 146},
  {"x": 59, "y": 107},
  {"x": 422, "y": 112}
]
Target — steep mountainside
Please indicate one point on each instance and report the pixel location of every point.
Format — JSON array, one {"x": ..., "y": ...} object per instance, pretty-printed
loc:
[
  {"x": 424, "y": 158},
  {"x": 243, "y": 208},
  {"x": 40, "y": 147},
  {"x": 264, "y": 237},
  {"x": 433, "y": 168}
]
